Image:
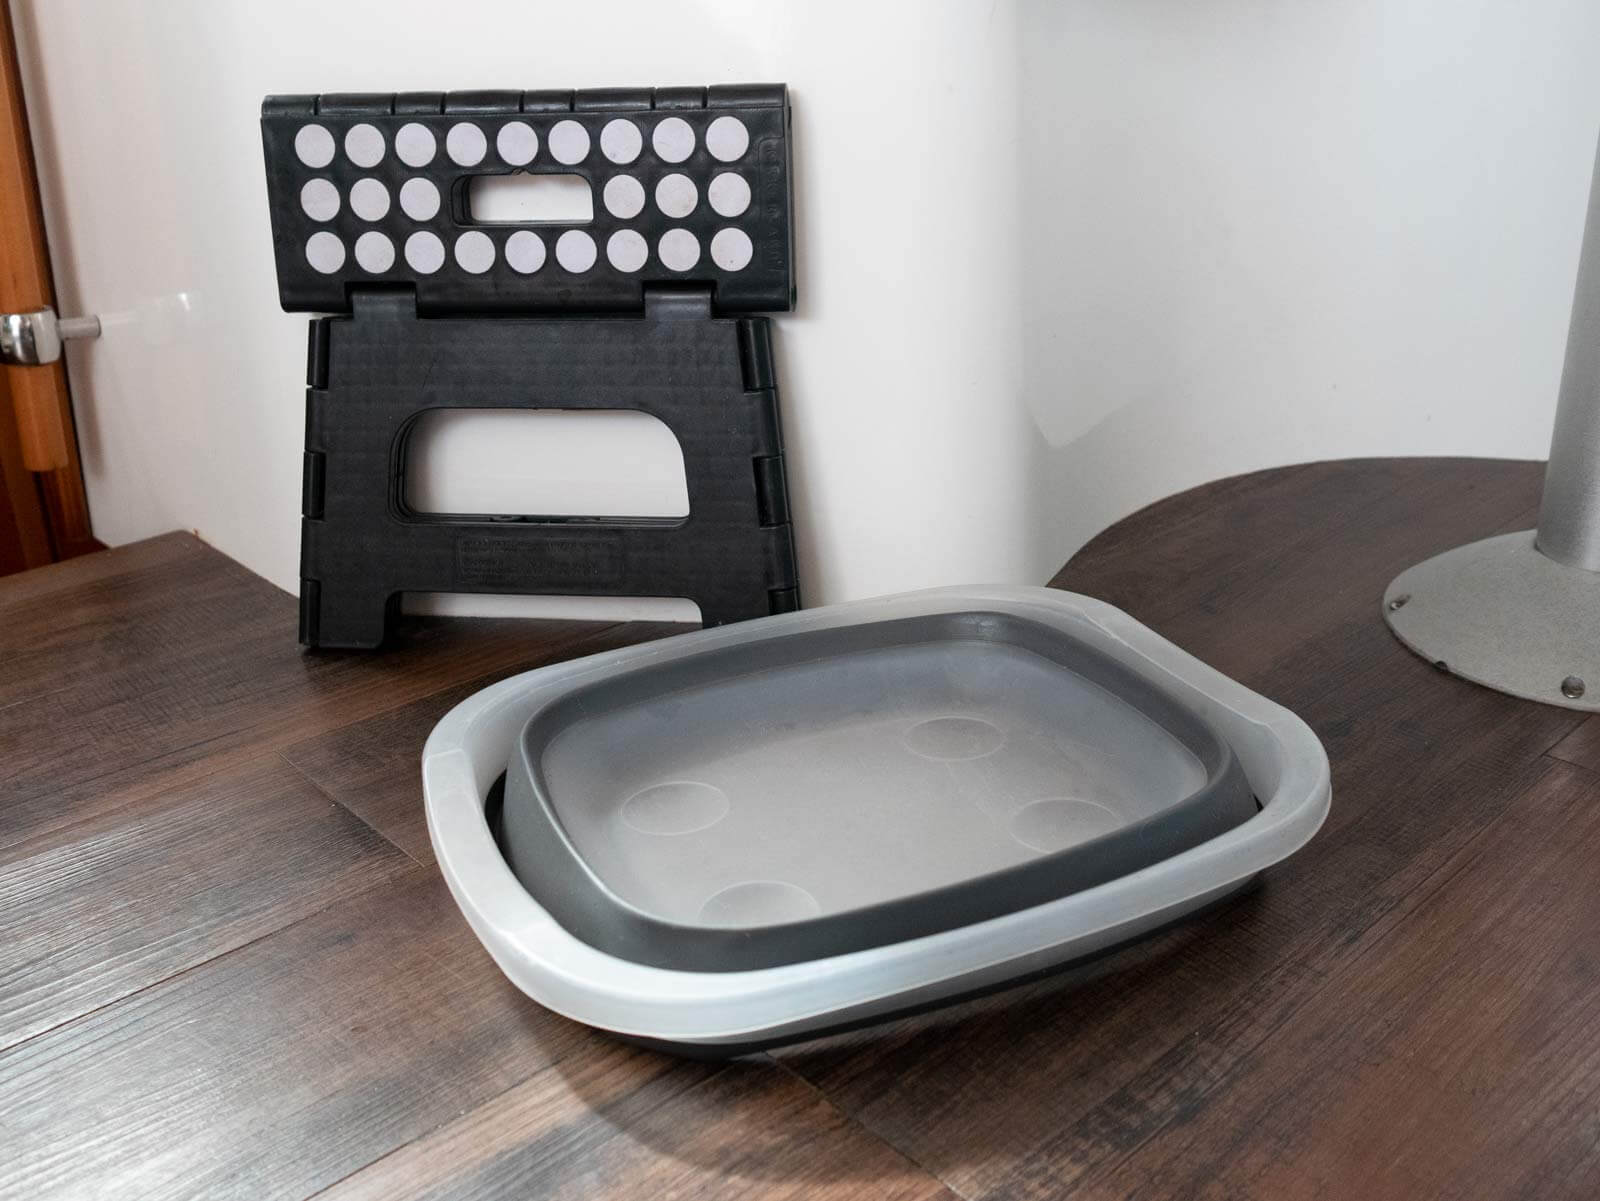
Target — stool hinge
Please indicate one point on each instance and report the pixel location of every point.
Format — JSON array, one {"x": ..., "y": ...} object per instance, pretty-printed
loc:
[
  {"x": 311, "y": 485},
  {"x": 772, "y": 492},
  {"x": 317, "y": 353}
]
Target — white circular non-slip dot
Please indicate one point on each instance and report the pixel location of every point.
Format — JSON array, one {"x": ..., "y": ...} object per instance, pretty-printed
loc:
[
  {"x": 727, "y": 139},
  {"x": 313, "y": 145},
  {"x": 369, "y": 199},
  {"x": 575, "y": 251},
  {"x": 627, "y": 250},
  {"x": 474, "y": 252},
  {"x": 419, "y": 199},
  {"x": 324, "y": 252},
  {"x": 415, "y": 144},
  {"x": 465, "y": 144},
  {"x": 568, "y": 142},
  {"x": 673, "y": 139},
  {"x": 677, "y": 806},
  {"x": 516, "y": 143},
  {"x": 728, "y": 194},
  {"x": 678, "y": 250},
  {"x": 731, "y": 249},
  {"x": 525, "y": 251},
  {"x": 424, "y": 252},
  {"x": 363, "y": 145},
  {"x": 319, "y": 199},
  {"x": 621, "y": 141},
  {"x": 374, "y": 252},
  {"x": 676, "y": 195},
  {"x": 623, "y": 196}
]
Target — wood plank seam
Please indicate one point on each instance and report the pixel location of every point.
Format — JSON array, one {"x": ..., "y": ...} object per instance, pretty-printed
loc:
[
  {"x": 1378, "y": 933},
  {"x": 483, "y": 1106},
  {"x": 1339, "y": 1000},
  {"x": 128, "y": 997},
  {"x": 119, "y": 566},
  {"x": 333, "y": 800},
  {"x": 1550, "y": 751},
  {"x": 850, "y": 1119},
  {"x": 241, "y": 732},
  {"x": 1171, "y": 1063}
]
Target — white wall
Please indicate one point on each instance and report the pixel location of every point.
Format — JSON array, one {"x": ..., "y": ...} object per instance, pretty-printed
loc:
[
  {"x": 1277, "y": 231},
  {"x": 1137, "y": 245}
]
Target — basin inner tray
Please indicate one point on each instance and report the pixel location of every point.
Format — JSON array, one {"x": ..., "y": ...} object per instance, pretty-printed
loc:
[{"x": 802, "y": 796}]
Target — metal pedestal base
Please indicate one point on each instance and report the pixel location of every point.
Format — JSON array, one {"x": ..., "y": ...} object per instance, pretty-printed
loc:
[{"x": 1499, "y": 613}]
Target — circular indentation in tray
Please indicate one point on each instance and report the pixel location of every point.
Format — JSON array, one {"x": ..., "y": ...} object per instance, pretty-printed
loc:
[
  {"x": 675, "y": 807},
  {"x": 954, "y": 738},
  {"x": 1056, "y": 823},
  {"x": 759, "y": 903}
]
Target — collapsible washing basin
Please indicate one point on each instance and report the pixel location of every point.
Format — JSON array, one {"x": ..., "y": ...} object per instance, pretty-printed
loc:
[{"x": 758, "y": 833}]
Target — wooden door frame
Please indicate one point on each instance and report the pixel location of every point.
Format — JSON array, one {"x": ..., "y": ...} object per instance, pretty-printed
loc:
[{"x": 41, "y": 478}]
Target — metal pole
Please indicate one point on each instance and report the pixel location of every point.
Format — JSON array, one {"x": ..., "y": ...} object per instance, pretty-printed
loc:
[
  {"x": 1521, "y": 612},
  {"x": 1569, "y": 516}
]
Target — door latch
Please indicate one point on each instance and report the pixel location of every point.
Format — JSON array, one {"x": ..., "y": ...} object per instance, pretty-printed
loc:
[{"x": 31, "y": 339}]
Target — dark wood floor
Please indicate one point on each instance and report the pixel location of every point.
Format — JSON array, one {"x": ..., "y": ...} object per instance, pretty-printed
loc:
[{"x": 228, "y": 967}]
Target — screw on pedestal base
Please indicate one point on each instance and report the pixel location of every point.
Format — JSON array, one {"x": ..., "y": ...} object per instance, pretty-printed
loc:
[
  {"x": 1521, "y": 612},
  {"x": 1501, "y": 613}
]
